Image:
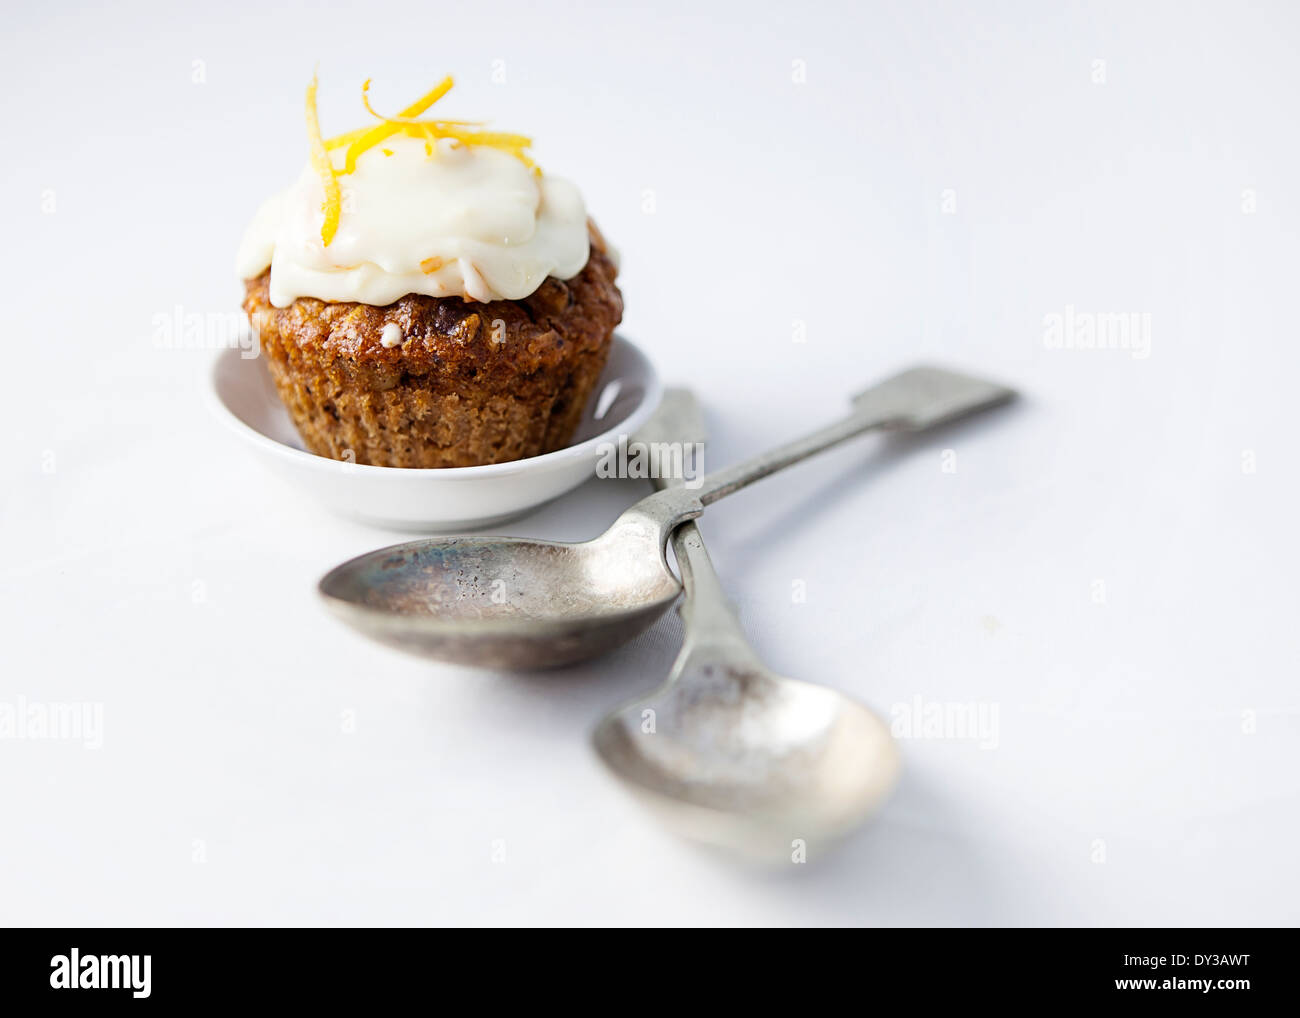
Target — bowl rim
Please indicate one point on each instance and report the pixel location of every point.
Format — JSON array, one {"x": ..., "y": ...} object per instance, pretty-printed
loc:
[{"x": 650, "y": 401}]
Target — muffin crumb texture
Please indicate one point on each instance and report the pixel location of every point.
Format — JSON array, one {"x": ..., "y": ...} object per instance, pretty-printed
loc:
[{"x": 468, "y": 384}]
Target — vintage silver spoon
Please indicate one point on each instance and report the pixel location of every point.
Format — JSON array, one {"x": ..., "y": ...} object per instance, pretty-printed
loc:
[
  {"x": 729, "y": 753},
  {"x": 509, "y": 602}
]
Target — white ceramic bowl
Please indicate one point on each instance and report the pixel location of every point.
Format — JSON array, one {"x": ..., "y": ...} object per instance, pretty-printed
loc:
[{"x": 447, "y": 499}]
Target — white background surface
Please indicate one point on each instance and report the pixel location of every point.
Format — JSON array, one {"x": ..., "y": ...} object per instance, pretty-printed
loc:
[{"x": 149, "y": 567}]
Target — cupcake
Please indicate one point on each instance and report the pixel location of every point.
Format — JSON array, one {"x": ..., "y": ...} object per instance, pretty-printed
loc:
[{"x": 425, "y": 297}]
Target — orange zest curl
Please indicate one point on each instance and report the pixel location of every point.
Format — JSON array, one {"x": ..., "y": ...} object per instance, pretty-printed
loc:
[
  {"x": 404, "y": 118},
  {"x": 378, "y": 133},
  {"x": 320, "y": 161},
  {"x": 347, "y": 138},
  {"x": 409, "y": 123}
]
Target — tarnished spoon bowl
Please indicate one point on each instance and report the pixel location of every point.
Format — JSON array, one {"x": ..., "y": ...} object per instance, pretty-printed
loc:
[
  {"x": 749, "y": 761},
  {"x": 509, "y": 603}
]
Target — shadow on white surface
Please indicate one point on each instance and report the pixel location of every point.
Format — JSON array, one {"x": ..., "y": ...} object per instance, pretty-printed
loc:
[
  {"x": 860, "y": 467},
  {"x": 913, "y": 859}
]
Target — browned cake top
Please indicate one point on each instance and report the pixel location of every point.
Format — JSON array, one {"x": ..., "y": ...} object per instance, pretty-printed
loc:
[{"x": 444, "y": 334}]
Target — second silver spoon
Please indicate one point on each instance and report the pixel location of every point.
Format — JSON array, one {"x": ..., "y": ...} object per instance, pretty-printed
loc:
[{"x": 726, "y": 751}]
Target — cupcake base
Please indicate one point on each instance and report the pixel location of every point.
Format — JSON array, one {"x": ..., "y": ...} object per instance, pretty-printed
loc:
[
  {"x": 459, "y": 383},
  {"x": 343, "y": 411}
]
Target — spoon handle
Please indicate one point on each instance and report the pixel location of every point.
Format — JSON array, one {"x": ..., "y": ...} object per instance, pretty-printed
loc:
[
  {"x": 706, "y": 610},
  {"x": 911, "y": 401},
  {"x": 707, "y": 613}
]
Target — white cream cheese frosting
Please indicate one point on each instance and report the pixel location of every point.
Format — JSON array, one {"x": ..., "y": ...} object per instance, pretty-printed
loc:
[{"x": 466, "y": 221}]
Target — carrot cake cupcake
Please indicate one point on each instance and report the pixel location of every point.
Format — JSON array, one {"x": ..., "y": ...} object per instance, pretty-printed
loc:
[{"x": 426, "y": 297}]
